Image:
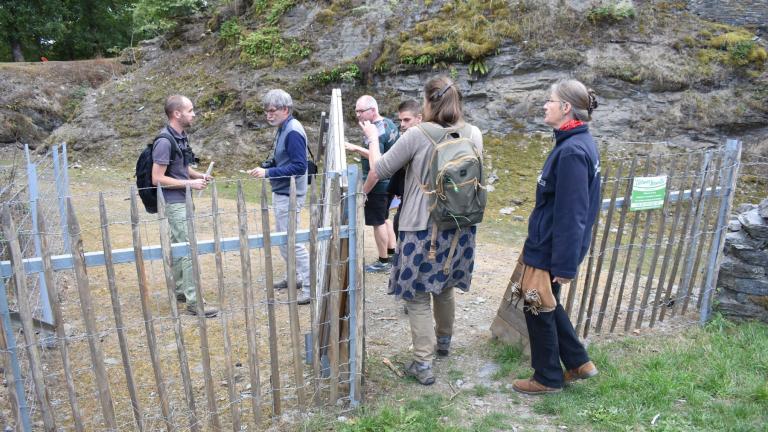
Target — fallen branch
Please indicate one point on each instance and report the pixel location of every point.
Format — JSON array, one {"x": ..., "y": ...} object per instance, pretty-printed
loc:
[{"x": 392, "y": 367}]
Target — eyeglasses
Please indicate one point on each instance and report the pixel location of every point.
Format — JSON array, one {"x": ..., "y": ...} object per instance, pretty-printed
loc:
[
  {"x": 357, "y": 111},
  {"x": 552, "y": 100},
  {"x": 272, "y": 110}
]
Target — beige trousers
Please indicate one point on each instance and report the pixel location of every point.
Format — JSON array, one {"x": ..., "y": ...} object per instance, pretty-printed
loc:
[{"x": 424, "y": 331}]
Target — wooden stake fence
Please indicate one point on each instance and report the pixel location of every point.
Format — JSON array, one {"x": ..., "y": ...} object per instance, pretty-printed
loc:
[
  {"x": 178, "y": 410},
  {"x": 669, "y": 257}
]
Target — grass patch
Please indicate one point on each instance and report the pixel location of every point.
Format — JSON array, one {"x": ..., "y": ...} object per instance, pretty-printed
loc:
[
  {"x": 508, "y": 357},
  {"x": 426, "y": 413},
  {"x": 481, "y": 390},
  {"x": 492, "y": 422},
  {"x": 455, "y": 374},
  {"x": 709, "y": 379}
]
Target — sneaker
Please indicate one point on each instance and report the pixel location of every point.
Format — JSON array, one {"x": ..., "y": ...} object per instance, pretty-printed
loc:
[
  {"x": 587, "y": 370},
  {"x": 443, "y": 345},
  {"x": 303, "y": 298},
  {"x": 208, "y": 311},
  {"x": 181, "y": 298},
  {"x": 283, "y": 284},
  {"x": 532, "y": 387},
  {"x": 378, "y": 267},
  {"x": 421, "y": 371}
]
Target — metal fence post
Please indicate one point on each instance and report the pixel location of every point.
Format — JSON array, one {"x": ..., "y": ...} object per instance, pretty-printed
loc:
[
  {"x": 732, "y": 163},
  {"x": 352, "y": 279},
  {"x": 58, "y": 177},
  {"x": 33, "y": 199},
  {"x": 11, "y": 339}
]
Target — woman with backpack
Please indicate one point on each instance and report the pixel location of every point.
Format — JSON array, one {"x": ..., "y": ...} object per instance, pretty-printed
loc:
[
  {"x": 433, "y": 257},
  {"x": 559, "y": 230}
]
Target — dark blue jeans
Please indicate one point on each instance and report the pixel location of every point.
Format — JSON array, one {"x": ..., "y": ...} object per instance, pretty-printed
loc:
[{"x": 552, "y": 339}]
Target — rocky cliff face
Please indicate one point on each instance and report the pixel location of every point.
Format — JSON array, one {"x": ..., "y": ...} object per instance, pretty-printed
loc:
[{"x": 661, "y": 72}]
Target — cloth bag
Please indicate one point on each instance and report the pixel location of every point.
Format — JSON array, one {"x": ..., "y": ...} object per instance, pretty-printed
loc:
[{"x": 533, "y": 286}]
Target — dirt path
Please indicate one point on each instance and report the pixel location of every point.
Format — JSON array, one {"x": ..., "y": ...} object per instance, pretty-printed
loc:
[{"x": 466, "y": 376}]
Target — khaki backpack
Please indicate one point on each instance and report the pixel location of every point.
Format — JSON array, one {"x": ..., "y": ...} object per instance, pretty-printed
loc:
[{"x": 454, "y": 185}]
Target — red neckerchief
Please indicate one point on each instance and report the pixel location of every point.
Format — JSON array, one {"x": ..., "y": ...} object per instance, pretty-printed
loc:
[{"x": 570, "y": 124}]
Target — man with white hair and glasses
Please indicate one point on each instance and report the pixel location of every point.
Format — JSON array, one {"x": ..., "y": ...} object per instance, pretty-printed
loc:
[{"x": 287, "y": 159}]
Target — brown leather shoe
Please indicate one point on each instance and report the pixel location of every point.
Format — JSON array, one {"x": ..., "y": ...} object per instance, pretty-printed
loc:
[
  {"x": 532, "y": 387},
  {"x": 587, "y": 370}
]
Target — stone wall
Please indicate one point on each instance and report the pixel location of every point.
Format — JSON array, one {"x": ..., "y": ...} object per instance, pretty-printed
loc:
[
  {"x": 753, "y": 13},
  {"x": 742, "y": 284}
]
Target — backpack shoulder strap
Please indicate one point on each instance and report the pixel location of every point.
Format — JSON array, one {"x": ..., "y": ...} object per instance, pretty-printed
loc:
[
  {"x": 434, "y": 132},
  {"x": 175, "y": 149}
]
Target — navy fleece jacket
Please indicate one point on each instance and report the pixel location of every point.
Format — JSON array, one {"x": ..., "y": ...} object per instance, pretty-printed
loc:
[{"x": 567, "y": 202}]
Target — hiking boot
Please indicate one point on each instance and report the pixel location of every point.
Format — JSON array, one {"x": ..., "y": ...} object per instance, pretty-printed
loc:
[
  {"x": 405, "y": 309},
  {"x": 283, "y": 284},
  {"x": 443, "y": 345},
  {"x": 422, "y": 372},
  {"x": 378, "y": 267},
  {"x": 208, "y": 311},
  {"x": 587, "y": 370},
  {"x": 181, "y": 298},
  {"x": 303, "y": 298},
  {"x": 532, "y": 387}
]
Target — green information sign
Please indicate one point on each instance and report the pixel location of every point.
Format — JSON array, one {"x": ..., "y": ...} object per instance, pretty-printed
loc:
[{"x": 648, "y": 193}]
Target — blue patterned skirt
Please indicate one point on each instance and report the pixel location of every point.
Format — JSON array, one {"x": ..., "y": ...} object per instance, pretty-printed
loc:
[{"x": 412, "y": 270}]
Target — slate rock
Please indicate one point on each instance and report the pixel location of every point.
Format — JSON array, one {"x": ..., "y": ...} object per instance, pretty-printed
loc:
[
  {"x": 754, "y": 224},
  {"x": 763, "y": 208},
  {"x": 747, "y": 286},
  {"x": 741, "y": 269}
]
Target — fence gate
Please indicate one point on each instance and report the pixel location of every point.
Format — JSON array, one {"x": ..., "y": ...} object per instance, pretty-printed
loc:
[
  {"x": 120, "y": 353},
  {"x": 656, "y": 246}
]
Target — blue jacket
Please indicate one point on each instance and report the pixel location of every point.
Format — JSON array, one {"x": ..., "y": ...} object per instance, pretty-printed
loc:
[
  {"x": 567, "y": 202},
  {"x": 290, "y": 153}
]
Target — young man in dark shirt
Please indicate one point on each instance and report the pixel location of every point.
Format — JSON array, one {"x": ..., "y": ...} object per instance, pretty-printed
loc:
[{"x": 172, "y": 171}]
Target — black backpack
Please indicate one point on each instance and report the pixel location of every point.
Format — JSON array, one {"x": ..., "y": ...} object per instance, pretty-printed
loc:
[{"x": 148, "y": 191}]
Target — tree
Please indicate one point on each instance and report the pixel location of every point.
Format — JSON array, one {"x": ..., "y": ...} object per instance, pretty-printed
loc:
[
  {"x": 29, "y": 26},
  {"x": 94, "y": 28},
  {"x": 154, "y": 17}
]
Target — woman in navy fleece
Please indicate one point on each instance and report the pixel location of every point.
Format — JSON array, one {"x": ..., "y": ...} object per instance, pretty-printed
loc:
[{"x": 559, "y": 230}]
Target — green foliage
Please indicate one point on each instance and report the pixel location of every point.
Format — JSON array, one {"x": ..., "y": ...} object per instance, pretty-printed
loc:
[
  {"x": 72, "y": 105},
  {"x": 741, "y": 48},
  {"x": 478, "y": 67},
  {"x": 265, "y": 47},
  {"x": 231, "y": 32},
  {"x": 344, "y": 73},
  {"x": 272, "y": 10},
  {"x": 463, "y": 31},
  {"x": 30, "y": 25},
  {"x": 612, "y": 13},
  {"x": 65, "y": 29},
  {"x": 708, "y": 379},
  {"x": 154, "y": 17}
]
